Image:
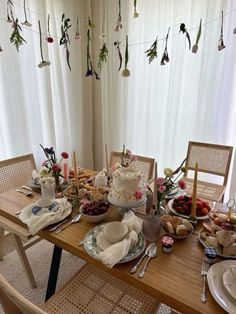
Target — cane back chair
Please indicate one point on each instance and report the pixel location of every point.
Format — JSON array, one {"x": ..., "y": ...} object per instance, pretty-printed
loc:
[
  {"x": 14, "y": 173},
  {"x": 89, "y": 291},
  {"x": 212, "y": 159},
  {"x": 143, "y": 164}
]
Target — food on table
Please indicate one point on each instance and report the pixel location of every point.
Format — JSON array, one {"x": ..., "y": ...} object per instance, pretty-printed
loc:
[
  {"x": 126, "y": 185},
  {"x": 175, "y": 225},
  {"x": 224, "y": 241},
  {"x": 183, "y": 204},
  {"x": 93, "y": 208},
  {"x": 226, "y": 221}
]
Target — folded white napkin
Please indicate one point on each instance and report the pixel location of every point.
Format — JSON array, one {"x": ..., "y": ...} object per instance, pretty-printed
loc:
[
  {"x": 114, "y": 253},
  {"x": 44, "y": 216}
]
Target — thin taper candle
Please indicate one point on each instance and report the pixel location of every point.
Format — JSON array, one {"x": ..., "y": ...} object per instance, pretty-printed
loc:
[
  {"x": 107, "y": 163},
  {"x": 194, "y": 195},
  {"x": 155, "y": 188},
  {"x": 75, "y": 169}
]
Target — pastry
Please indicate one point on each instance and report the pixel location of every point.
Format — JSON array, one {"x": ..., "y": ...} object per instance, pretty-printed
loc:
[
  {"x": 187, "y": 224},
  {"x": 166, "y": 218},
  {"x": 212, "y": 241},
  {"x": 181, "y": 230},
  {"x": 176, "y": 221},
  {"x": 226, "y": 226},
  {"x": 225, "y": 237},
  {"x": 222, "y": 218},
  {"x": 205, "y": 234},
  {"x": 233, "y": 218},
  {"x": 230, "y": 250},
  {"x": 169, "y": 228}
]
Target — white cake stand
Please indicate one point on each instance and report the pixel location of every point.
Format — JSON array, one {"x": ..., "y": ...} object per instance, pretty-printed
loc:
[{"x": 123, "y": 208}]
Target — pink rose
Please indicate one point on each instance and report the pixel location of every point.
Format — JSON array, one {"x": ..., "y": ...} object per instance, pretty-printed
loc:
[
  {"x": 64, "y": 155},
  {"x": 182, "y": 184},
  {"x": 134, "y": 158},
  {"x": 138, "y": 195},
  {"x": 160, "y": 181},
  {"x": 56, "y": 167},
  {"x": 161, "y": 189}
]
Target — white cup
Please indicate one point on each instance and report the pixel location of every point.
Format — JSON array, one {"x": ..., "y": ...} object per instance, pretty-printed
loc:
[{"x": 100, "y": 181}]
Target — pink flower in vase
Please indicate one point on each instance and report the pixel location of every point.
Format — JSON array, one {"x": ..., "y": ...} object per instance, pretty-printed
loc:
[
  {"x": 182, "y": 184},
  {"x": 138, "y": 195},
  {"x": 56, "y": 167},
  {"x": 65, "y": 155},
  {"x": 161, "y": 189},
  {"x": 160, "y": 181}
]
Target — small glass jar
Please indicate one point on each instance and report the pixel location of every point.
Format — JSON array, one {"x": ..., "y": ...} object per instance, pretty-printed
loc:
[
  {"x": 167, "y": 244},
  {"x": 210, "y": 255},
  {"x": 48, "y": 187}
]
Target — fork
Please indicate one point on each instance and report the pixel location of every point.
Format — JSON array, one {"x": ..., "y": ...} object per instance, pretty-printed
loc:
[{"x": 204, "y": 271}]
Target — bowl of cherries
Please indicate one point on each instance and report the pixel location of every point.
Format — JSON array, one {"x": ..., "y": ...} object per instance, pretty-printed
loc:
[{"x": 94, "y": 211}]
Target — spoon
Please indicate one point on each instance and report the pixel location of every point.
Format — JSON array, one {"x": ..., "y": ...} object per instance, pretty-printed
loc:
[
  {"x": 76, "y": 218},
  {"x": 134, "y": 268},
  {"x": 24, "y": 192},
  {"x": 151, "y": 253}
]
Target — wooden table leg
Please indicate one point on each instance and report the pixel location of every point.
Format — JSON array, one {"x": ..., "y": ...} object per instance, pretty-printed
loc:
[{"x": 53, "y": 274}]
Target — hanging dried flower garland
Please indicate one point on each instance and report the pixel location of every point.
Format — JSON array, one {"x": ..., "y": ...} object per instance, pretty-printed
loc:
[
  {"x": 117, "y": 45},
  {"x": 43, "y": 63},
  {"x": 77, "y": 33},
  {"x": 165, "y": 57},
  {"x": 26, "y": 22},
  {"x": 183, "y": 29},
  {"x": 136, "y": 14},
  {"x": 16, "y": 37},
  {"x": 126, "y": 71},
  {"x": 10, "y": 16},
  {"x": 118, "y": 26},
  {"x": 65, "y": 40},
  {"x": 103, "y": 54},
  {"x": 195, "y": 46},
  {"x": 49, "y": 38},
  {"x": 152, "y": 52},
  {"x": 221, "y": 44},
  {"x": 90, "y": 68}
]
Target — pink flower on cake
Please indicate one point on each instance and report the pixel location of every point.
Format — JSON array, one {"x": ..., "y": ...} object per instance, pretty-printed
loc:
[{"x": 138, "y": 195}]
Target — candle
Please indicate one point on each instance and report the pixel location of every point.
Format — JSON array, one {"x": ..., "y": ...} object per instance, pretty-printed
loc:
[
  {"x": 155, "y": 188},
  {"x": 107, "y": 164},
  {"x": 65, "y": 171},
  {"x": 75, "y": 169},
  {"x": 194, "y": 195}
]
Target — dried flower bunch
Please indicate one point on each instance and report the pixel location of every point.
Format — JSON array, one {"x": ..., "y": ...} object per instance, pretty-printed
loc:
[
  {"x": 26, "y": 22},
  {"x": 16, "y": 37},
  {"x": 126, "y": 71},
  {"x": 117, "y": 45},
  {"x": 119, "y": 20},
  {"x": 152, "y": 52},
  {"x": 77, "y": 33},
  {"x": 43, "y": 63},
  {"x": 195, "y": 46},
  {"x": 103, "y": 54},
  {"x": 165, "y": 57},
  {"x": 168, "y": 183},
  {"x": 183, "y": 29},
  {"x": 221, "y": 44},
  {"x": 49, "y": 38},
  {"x": 65, "y": 40},
  {"x": 136, "y": 14},
  {"x": 10, "y": 16}
]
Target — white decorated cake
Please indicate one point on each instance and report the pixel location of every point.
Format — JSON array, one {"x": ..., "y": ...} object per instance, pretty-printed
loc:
[{"x": 126, "y": 185}]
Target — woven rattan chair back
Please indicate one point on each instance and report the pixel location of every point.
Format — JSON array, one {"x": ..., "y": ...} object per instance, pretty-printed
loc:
[
  {"x": 16, "y": 171},
  {"x": 91, "y": 290},
  {"x": 144, "y": 164},
  {"x": 212, "y": 158}
]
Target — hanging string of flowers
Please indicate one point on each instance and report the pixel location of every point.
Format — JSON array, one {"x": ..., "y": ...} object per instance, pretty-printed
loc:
[
  {"x": 195, "y": 46},
  {"x": 136, "y": 14},
  {"x": 117, "y": 45},
  {"x": 26, "y": 22},
  {"x": 65, "y": 40},
  {"x": 49, "y": 38},
  {"x": 43, "y": 63},
  {"x": 77, "y": 33},
  {"x": 183, "y": 29},
  {"x": 16, "y": 39},
  {"x": 221, "y": 44},
  {"x": 118, "y": 26},
  {"x": 126, "y": 72},
  {"x": 10, "y": 16},
  {"x": 103, "y": 51},
  {"x": 90, "y": 68},
  {"x": 151, "y": 53},
  {"x": 165, "y": 57}
]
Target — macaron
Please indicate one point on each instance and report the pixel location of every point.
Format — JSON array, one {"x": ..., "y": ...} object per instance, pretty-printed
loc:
[
  {"x": 226, "y": 226},
  {"x": 222, "y": 218}
]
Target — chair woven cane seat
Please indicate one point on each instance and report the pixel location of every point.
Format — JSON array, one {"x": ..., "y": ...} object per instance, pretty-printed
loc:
[{"x": 94, "y": 291}]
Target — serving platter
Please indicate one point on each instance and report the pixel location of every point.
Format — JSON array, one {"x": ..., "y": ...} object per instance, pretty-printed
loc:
[
  {"x": 92, "y": 248},
  {"x": 170, "y": 205}
]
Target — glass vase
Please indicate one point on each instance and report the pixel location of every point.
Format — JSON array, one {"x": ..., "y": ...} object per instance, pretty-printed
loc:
[
  {"x": 151, "y": 227},
  {"x": 58, "y": 188}
]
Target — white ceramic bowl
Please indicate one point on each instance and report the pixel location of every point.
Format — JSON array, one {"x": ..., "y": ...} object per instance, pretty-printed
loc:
[
  {"x": 93, "y": 218},
  {"x": 115, "y": 231}
]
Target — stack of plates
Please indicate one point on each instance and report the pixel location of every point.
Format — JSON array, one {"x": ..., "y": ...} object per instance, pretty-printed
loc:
[{"x": 222, "y": 284}]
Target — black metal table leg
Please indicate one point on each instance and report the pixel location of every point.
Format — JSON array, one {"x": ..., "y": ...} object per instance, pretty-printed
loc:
[{"x": 52, "y": 279}]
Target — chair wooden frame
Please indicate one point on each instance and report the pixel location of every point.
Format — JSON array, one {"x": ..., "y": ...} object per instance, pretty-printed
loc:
[
  {"x": 190, "y": 163},
  {"x": 13, "y": 173},
  {"x": 116, "y": 157}
]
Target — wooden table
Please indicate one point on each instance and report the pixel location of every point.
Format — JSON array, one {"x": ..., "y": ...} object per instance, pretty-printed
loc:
[{"x": 173, "y": 279}]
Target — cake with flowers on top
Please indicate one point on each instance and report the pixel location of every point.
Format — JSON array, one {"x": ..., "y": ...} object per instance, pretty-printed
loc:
[{"x": 126, "y": 185}]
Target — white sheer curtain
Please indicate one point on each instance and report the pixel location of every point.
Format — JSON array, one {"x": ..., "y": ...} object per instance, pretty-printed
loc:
[
  {"x": 158, "y": 109},
  {"x": 52, "y": 105}
]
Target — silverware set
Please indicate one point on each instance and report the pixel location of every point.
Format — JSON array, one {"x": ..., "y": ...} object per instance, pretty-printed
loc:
[
  {"x": 27, "y": 193},
  {"x": 150, "y": 252},
  {"x": 64, "y": 224}
]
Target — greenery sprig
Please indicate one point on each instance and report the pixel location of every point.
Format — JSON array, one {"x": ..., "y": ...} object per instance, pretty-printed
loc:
[
  {"x": 90, "y": 68},
  {"x": 117, "y": 45},
  {"x": 183, "y": 29},
  {"x": 65, "y": 40},
  {"x": 152, "y": 52},
  {"x": 102, "y": 56},
  {"x": 16, "y": 39}
]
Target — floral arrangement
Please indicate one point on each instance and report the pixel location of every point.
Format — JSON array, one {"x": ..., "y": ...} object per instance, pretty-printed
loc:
[
  {"x": 65, "y": 40},
  {"x": 168, "y": 183},
  {"x": 52, "y": 165},
  {"x": 127, "y": 157}
]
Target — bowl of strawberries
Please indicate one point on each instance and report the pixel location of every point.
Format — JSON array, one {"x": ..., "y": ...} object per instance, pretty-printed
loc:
[{"x": 181, "y": 206}]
